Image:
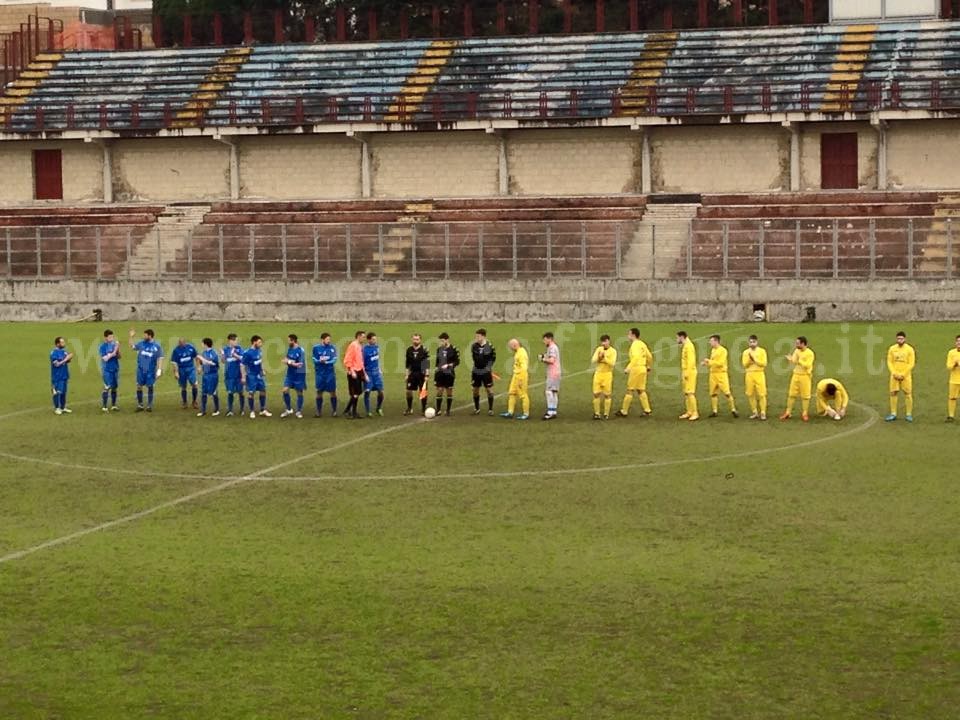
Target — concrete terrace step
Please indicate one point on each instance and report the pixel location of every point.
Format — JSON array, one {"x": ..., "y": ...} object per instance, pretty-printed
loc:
[{"x": 173, "y": 230}]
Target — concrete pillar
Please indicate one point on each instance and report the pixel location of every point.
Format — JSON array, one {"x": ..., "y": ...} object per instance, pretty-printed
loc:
[
  {"x": 234, "y": 171},
  {"x": 107, "y": 149},
  {"x": 504, "y": 167},
  {"x": 646, "y": 182},
  {"x": 794, "y": 157},
  {"x": 881, "y": 128},
  {"x": 366, "y": 181}
]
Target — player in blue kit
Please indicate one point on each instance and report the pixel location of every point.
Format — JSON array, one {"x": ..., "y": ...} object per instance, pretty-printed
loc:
[
  {"x": 232, "y": 376},
  {"x": 209, "y": 361},
  {"x": 253, "y": 377},
  {"x": 184, "y": 362},
  {"x": 374, "y": 373},
  {"x": 149, "y": 366},
  {"x": 325, "y": 364},
  {"x": 110, "y": 370},
  {"x": 296, "y": 378},
  {"x": 60, "y": 375}
]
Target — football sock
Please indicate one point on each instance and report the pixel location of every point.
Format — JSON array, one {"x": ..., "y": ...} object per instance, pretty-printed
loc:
[
  {"x": 229, "y": 402},
  {"x": 113, "y": 397},
  {"x": 714, "y": 403},
  {"x": 733, "y": 405},
  {"x": 379, "y": 400},
  {"x": 476, "y": 401},
  {"x": 627, "y": 400},
  {"x": 449, "y": 404},
  {"x": 263, "y": 402},
  {"x": 511, "y": 403},
  {"x": 300, "y": 402},
  {"x": 893, "y": 404},
  {"x": 286, "y": 400},
  {"x": 645, "y": 401},
  {"x": 193, "y": 393},
  {"x": 952, "y": 407},
  {"x": 596, "y": 406},
  {"x": 908, "y": 403},
  {"x": 333, "y": 402},
  {"x": 150, "y": 396},
  {"x": 763, "y": 404},
  {"x": 366, "y": 402},
  {"x": 525, "y": 404},
  {"x": 103, "y": 397},
  {"x": 409, "y": 402},
  {"x": 319, "y": 404},
  {"x": 607, "y": 403},
  {"x": 490, "y": 401},
  {"x": 139, "y": 397},
  {"x": 63, "y": 399},
  {"x": 216, "y": 403},
  {"x": 183, "y": 396}
]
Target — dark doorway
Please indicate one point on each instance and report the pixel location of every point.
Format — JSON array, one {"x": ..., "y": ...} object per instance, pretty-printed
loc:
[
  {"x": 838, "y": 161},
  {"x": 48, "y": 174}
]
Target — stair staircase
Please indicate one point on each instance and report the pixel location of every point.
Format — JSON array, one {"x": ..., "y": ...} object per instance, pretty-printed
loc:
[
  {"x": 944, "y": 233},
  {"x": 175, "y": 226},
  {"x": 398, "y": 240},
  {"x": 660, "y": 242}
]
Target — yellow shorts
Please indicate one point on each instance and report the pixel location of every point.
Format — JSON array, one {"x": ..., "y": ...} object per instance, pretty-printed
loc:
[
  {"x": 801, "y": 386},
  {"x": 905, "y": 386},
  {"x": 954, "y": 391},
  {"x": 755, "y": 383},
  {"x": 602, "y": 384},
  {"x": 689, "y": 382},
  {"x": 518, "y": 385},
  {"x": 719, "y": 384},
  {"x": 637, "y": 380}
]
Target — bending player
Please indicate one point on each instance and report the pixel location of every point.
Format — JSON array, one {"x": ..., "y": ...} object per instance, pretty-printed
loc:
[{"x": 832, "y": 391}]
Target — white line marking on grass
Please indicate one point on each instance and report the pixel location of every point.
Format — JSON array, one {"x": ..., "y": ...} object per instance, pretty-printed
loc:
[{"x": 259, "y": 474}]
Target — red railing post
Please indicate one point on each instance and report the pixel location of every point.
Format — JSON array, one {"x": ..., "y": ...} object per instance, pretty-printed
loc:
[
  {"x": 341, "y": 24},
  {"x": 278, "y": 33},
  {"x": 298, "y": 114},
  {"x": 332, "y": 108},
  {"x": 188, "y": 30},
  {"x": 668, "y": 17},
  {"x": 51, "y": 35},
  {"x": 437, "y": 108},
  {"x": 367, "y": 108},
  {"x": 167, "y": 115},
  {"x": 845, "y": 96},
  {"x": 766, "y": 98},
  {"x": 773, "y": 18},
  {"x": 38, "y": 119},
  {"x": 946, "y": 9},
  {"x": 127, "y": 33},
  {"x": 634, "y": 15},
  {"x": 691, "y": 99},
  {"x": 310, "y": 29},
  {"x": 404, "y": 23},
  {"x": 543, "y": 103},
  {"x": 874, "y": 95},
  {"x": 135, "y": 115},
  {"x": 507, "y": 105},
  {"x": 737, "y": 12},
  {"x": 71, "y": 117},
  {"x": 568, "y": 16},
  {"x": 467, "y": 19},
  {"x": 574, "y": 103},
  {"x": 702, "y": 20},
  {"x": 217, "y": 29},
  {"x": 501, "y": 17},
  {"x": 472, "y": 104},
  {"x": 616, "y": 102},
  {"x": 533, "y": 8},
  {"x": 103, "y": 117},
  {"x": 157, "y": 31},
  {"x": 652, "y": 100},
  {"x": 232, "y": 111},
  {"x": 805, "y": 97},
  {"x": 728, "y": 99},
  {"x": 895, "y": 100},
  {"x": 265, "y": 111},
  {"x": 248, "y": 28},
  {"x": 601, "y": 15},
  {"x": 435, "y": 20},
  {"x": 935, "y": 98},
  {"x": 808, "y": 12}
]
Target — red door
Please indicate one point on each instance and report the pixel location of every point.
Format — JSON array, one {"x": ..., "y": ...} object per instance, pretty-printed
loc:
[
  {"x": 48, "y": 174},
  {"x": 838, "y": 161}
]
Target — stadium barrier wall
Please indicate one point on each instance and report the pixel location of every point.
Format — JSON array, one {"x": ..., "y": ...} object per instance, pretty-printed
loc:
[{"x": 564, "y": 300}]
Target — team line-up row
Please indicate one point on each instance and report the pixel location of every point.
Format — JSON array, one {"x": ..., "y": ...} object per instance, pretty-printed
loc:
[{"x": 244, "y": 379}]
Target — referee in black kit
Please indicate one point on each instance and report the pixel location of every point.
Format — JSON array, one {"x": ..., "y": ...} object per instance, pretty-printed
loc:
[{"x": 417, "y": 365}]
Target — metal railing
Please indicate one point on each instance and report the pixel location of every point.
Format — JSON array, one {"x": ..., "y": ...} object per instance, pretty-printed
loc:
[
  {"x": 832, "y": 248},
  {"x": 562, "y": 104}
]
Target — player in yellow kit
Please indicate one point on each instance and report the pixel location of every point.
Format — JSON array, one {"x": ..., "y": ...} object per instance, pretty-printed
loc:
[
  {"x": 801, "y": 384},
  {"x": 953, "y": 365},
  {"x": 754, "y": 361},
  {"x": 830, "y": 390},
  {"x": 605, "y": 358},
  {"x": 688, "y": 376},
  {"x": 901, "y": 359},
  {"x": 519, "y": 382},
  {"x": 638, "y": 367},
  {"x": 719, "y": 379}
]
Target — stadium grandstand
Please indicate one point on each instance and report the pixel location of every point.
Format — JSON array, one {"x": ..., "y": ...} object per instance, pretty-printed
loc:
[{"x": 609, "y": 140}]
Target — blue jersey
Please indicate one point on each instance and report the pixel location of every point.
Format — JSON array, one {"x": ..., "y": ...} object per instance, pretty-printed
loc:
[
  {"x": 231, "y": 360},
  {"x": 325, "y": 359},
  {"x": 371, "y": 360},
  {"x": 148, "y": 353},
  {"x": 59, "y": 373},
  {"x": 253, "y": 361},
  {"x": 212, "y": 356},
  {"x": 297, "y": 355},
  {"x": 184, "y": 356},
  {"x": 113, "y": 364}
]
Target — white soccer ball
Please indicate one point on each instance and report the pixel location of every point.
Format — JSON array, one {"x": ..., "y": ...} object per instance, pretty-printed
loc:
[
  {"x": 430, "y": 413},
  {"x": 759, "y": 316}
]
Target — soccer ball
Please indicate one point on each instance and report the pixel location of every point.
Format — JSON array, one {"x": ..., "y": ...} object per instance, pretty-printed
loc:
[
  {"x": 429, "y": 413},
  {"x": 759, "y": 316}
]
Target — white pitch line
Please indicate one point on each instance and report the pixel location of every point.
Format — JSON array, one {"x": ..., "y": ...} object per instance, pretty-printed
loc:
[{"x": 220, "y": 487}]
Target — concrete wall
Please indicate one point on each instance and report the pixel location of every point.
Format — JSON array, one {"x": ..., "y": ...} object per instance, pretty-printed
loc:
[
  {"x": 924, "y": 155},
  {"x": 502, "y": 301},
  {"x": 82, "y": 171},
  {"x": 312, "y": 166},
  {"x": 453, "y": 164},
  {"x": 164, "y": 170},
  {"x": 867, "y": 145},
  {"x": 574, "y": 162},
  {"x": 720, "y": 159}
]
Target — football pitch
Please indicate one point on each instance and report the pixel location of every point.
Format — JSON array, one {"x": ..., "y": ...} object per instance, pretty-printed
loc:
[{"x": 167, "y": 566}]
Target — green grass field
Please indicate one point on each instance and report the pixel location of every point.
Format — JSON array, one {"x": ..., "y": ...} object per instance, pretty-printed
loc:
[{"x": 474, "y": 567}]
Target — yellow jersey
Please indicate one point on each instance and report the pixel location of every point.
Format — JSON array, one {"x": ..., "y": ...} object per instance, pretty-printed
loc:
[
  {"x": 842, "y": 397},
  {"x": 803, "y": 362},
  {"x": 521, "y": 362},
  {"x": 688, "y": 356},
  {"x": 718, "y": 360},
  {"x": 640, "y": 357},
  {"x": 756, "y": 363},
  {"x": 901, "y": 359},
  {"x": 953, "y": 365},
  {"x": 605, "y": 360}
]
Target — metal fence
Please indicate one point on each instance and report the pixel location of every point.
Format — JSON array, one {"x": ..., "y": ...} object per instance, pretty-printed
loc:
[{"x": 841, "y": 248}]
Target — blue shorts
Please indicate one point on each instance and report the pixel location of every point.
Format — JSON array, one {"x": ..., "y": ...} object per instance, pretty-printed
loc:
[
  {"x": 233, "y": 384},
  {"x": 295, "y": 382},
  {"x": 256, "y": 383},
  {"x": 60, "y": 388},
  {"x": 374, "y": 382},
  {"x": 111, "y": 379},
  {"x": 210, "y": 383},
  {"x": 187, "y": 376},
  {"x": 327, "y": 383},
  {"x": 146, "y": 378}
]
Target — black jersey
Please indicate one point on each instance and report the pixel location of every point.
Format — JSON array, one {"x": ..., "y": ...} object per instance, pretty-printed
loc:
[
  {"x": 448, "y": 356},
  {"x": 484, "y": 356},
  {"x": 418, "y": 360}
]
